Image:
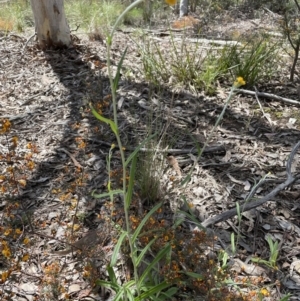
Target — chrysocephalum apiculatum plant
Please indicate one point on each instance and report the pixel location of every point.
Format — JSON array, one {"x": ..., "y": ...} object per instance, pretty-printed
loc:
[
  {"x": 143, "y": 286},
  {"x": 150, "y": 281}
]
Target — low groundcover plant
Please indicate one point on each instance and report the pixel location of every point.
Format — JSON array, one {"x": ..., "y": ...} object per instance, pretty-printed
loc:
[{"x": 165, "y": 259}]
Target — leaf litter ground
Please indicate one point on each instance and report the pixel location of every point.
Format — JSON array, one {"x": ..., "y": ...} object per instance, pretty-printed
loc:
[{"x": 45, "y": 95}]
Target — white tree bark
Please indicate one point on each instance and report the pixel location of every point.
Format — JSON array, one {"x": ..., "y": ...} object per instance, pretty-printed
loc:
[
  {"x": 183, "y": 8},
  {"x": 50, "y": 23}
]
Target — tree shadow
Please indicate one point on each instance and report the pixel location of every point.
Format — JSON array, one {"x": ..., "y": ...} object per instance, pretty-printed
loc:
[{"x": 75, "y": 146}]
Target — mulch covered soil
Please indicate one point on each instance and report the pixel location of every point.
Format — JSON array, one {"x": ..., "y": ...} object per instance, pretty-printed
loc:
[{"x": 57, "y": 153}]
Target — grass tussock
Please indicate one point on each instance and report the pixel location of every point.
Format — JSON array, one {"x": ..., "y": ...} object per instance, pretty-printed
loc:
[
  {"x": 200, "y": 69},
  {"x": 16, "y": 15}
]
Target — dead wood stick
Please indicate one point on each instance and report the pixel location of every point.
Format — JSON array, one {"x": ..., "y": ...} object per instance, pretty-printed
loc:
[
  {"x": 28, "y": 40},
  {"x": 34, "y": 96},
  {"x": 175, "y": 151},
  {"x": 72, "y": 157},
  {"x": 270, "y": 96},
  {"x": 232, "y": 212}
]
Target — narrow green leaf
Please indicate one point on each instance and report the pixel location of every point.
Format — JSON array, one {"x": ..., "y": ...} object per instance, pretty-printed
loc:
[
  {"x": 129, "y": 295},
  {"x": 186, "y": 180},
  {"x": 144, "y": 251},
  {"x": 107, "y": 284},
  {"x": 109, "y": 40},
  {"x": 120, "y": 294},
  {"x": 106, "y": 194},
  {"x": 115, "y": 254},
  {"x": 192, "y": 218},
  {"x": 112, "y": 275},
  {"x": 224, "y": 259},
  {"x": 118, "y": 73},
  {"x": 144, "y": 220},
  {"x": 233, "y": 248},
  {"x": 167, "y": 295},
  {"x": 286, "y": 297},
  {"x": 129, "y": 193},
  {"x": 238, "y": 210},
  {"x": 105, "y": 120},
  {"x": 258, "y": 260},
  {"x": 153, "y": 290},
  {"x": 193, "y": 275},
  {"x": 161, "y": 254},
  {"x": 129, "y": 284},
  {"x": 132, "y": 155}
]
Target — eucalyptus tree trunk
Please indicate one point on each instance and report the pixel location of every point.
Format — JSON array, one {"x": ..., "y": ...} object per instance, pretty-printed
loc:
[
  {"x": 50, "y": 23},
  {"x": 183, "y": 8}
]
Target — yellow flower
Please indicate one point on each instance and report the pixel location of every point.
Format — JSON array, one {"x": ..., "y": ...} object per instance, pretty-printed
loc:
[
  {"x": 4, "y": 126},
  {"x": 4, "y": 276},
  {"x": 22, "y": 182},
  {"x": 171, "y": 2},
  {"x": 25, "y": 257},
  {"x": 6, "y": 252},
  {"x": 264, "y": 292},
  {"x": 7, "y": 232},
  {"x": 26, "y": 241},
  {"x": 18, "y": 231},
  {"x": 14, "y": 140},
  {"x": 239, "y": 82}
]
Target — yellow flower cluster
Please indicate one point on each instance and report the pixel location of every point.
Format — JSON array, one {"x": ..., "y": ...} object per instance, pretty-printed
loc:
[
  {"x": 5, "y": 249},
  {"x": 5, "y": 125},
  {"x": 171, "y": 2},
  {"x": 239, "y": 82}
]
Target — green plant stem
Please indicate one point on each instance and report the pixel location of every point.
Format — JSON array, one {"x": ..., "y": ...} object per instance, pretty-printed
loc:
[
  {"x": 130, "y": 7},
  {"x": 114, "y": 102}
]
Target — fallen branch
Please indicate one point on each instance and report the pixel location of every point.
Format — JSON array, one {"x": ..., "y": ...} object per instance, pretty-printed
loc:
[
  {"x": 269, "y": 96},
  {"x": 232, "y": 212},
  {"x": 28, "y": 40},
  {"x": 71, "y": 156},
  {"x": 219, "y": 149}
]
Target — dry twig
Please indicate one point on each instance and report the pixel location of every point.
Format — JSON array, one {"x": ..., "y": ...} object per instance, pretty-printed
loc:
[
  {"x": 270, "y": 96},
  {"x": 232, "y": 212}
]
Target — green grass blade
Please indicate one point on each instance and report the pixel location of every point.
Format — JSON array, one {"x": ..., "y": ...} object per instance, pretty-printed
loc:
[
  {"x": 233, "y": 247},
  {"x": 168, "y": 294},
  {"x": 129, "y": 295},
  {"x": 112, "y": 125},
  {"x": 107, "y": 284},
  {"x": 154, "y": 290},
  {"x": 112, "y": 275},
  {"x": 286, "y": 297},
  {"x": 129, "y": 193},
  {"x": 142, "y": 254},
  {"x": 194, "y": 275},
  {"x": 161, "y": 254},
  {"x": 132, "y": 155},
  {"x": 106, "y": 194},
  {"x": 193, "y": 219},
  {"x": 118, "y": 73},
  {"x": 144, "y": 220},
  {"x": 185, "y": 180},
  {"x": 114, "y": 256},
  {"x": 120, "y": 295},
  {"x": 238, "y": 210}
]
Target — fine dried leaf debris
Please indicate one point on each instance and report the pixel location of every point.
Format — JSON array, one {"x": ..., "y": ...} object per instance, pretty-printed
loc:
[{"x": 61, "y": 237}]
